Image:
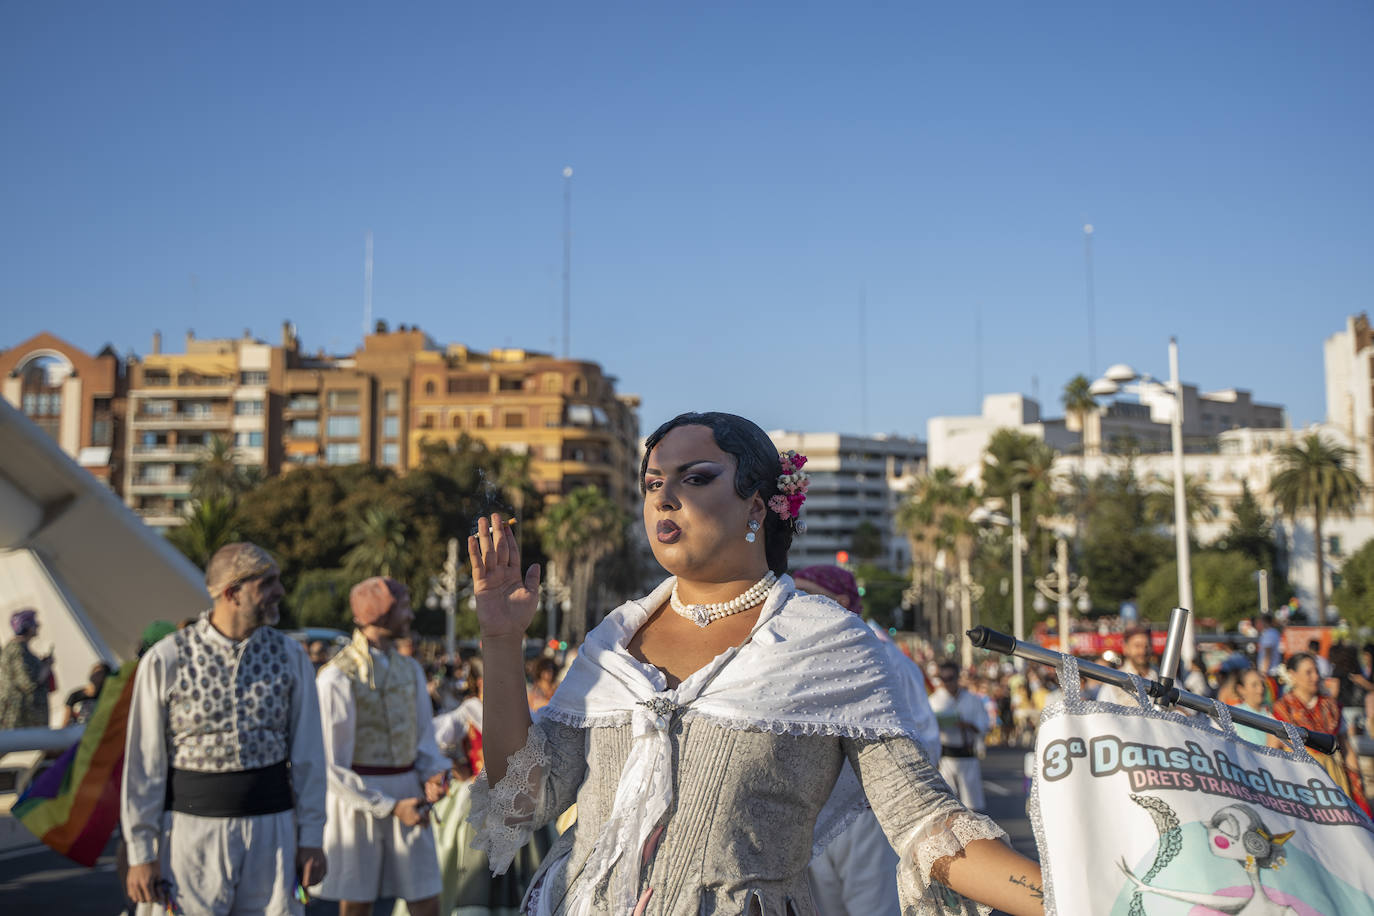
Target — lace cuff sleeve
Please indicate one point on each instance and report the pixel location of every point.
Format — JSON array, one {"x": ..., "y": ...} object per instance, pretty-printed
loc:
[
  {"x": 923, "y": 820},
  {"x": 926, "y": 852},
  {"x": 541, "y": 781}
]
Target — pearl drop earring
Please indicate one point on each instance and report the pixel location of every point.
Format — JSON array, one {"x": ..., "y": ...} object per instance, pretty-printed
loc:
[{"x": 753, "y": 527}]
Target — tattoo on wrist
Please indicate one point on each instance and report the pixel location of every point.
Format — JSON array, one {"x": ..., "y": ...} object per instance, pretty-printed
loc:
[{"x": 1035, "y": 890}]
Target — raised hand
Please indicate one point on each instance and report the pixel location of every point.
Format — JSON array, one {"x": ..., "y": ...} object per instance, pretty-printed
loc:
[{"x": 506, "y": 599}]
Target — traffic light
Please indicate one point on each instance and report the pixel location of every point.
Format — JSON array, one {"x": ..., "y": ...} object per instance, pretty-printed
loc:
[{"x": 841, "y": 557}]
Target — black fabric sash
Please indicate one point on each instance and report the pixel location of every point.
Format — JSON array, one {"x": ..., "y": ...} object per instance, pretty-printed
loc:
[{"x": 242, "y": 793}]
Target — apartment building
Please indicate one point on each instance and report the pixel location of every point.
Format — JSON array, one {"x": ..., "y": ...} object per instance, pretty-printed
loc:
[
  {"x": 854, "y": 479},
  {"x": 349, "y": 409},
  {"x": 76, "y": 398},
  {"x": 1349, "y": 365},
  {"x": 179, "y": 402},
  {"x": 142, "y": 425},
  {"x": 565, "y": 414}
]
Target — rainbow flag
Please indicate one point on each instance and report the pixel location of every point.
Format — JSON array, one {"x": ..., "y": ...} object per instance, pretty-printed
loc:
[{"x": 73, "y": 806}]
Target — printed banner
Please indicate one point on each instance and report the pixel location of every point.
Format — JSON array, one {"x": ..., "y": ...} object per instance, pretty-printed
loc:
[{"x": 1142, "y": 812}]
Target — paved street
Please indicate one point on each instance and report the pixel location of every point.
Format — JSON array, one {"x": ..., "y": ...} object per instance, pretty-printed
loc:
[{"x": 34, "y": 876}]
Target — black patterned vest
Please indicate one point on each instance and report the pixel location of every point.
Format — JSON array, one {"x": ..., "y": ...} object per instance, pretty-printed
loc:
[{"x": 229, "y": 704}]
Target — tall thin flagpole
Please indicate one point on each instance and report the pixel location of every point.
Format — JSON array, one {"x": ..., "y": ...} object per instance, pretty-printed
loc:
[
  {"x": 567, "y": 262},
  {"x": 1092, "y": 306},
  {"x": 863, "y": 359},
  {"x": 367, "y": 287}
]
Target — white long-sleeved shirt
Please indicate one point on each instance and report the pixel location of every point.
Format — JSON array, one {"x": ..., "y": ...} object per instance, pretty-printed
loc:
[
  {"x": 147, "y": 753},
  {"x": 955, "y": 712},
  {"x": 451, "y": 727},
  {"x": 928, "y": 730},
  {"x": 339, "y": 717}
]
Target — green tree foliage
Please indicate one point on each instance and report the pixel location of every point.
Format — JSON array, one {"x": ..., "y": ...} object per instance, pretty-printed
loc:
[
  {"x": 218, "y": 476},
  {"x": 1355, "y": 595},
  {"x": 1317, "y": 476},
  {"x": 1224, "y": 588},
  {"x": 211, "y": 524},
  {"x": 1120, "y": 549},
  {"x": 934, "y": 518},
  {"x": 578, "y": 532},
  {"x": 868, "y": 541},
  {"x": 1197, "y": 500},
  {"x": 356, "y": 521},
  {"x": 1078, "y": 398},
  {"x": 882, "y": 592},
  {"x": 304, "y": 517},
  {"x": 379, "y": 545},
  {"x": 320, "y": 599},
  {"x": 1017, "y": 462}
]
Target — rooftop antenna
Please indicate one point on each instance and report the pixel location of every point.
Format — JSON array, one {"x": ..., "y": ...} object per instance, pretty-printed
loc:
[
  {"x": 1092, "y": 321},
  {"x": 367, "y": 287},
  {"x": 567, "y": 261},
  {"x": 863, "y": 358}
]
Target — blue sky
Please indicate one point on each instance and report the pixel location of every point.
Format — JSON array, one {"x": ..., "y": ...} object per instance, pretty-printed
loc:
[{"x": 742, "y": 173}]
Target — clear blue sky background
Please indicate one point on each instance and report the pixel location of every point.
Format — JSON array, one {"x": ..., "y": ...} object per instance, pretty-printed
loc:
[{"x": 740, "y": 175}]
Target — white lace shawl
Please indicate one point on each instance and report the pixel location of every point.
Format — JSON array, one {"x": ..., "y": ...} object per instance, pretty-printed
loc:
[{"x": 809, "y": 668}]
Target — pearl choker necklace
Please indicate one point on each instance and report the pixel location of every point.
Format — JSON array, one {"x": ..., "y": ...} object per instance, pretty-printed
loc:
[{"x": 702, "y": 614}]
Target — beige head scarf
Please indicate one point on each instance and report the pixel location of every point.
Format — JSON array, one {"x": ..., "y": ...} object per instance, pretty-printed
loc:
[{"x": 235, "y": 563}]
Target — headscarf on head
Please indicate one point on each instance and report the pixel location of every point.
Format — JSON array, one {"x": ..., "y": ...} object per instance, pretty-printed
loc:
[
  {"x": 235, "y": 563},
  {"x": 372, "y": 599},
  {"x": 834, "y": 579},
  {"x": 23, "y": 621}
]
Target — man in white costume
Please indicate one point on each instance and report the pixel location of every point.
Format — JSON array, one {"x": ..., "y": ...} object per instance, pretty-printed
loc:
[
  {"x": 384, "y": 765},
  {"x": 856, "y": 873},
  {"x": 963, "y": 721},
  {"x": 1136, "y": 648},
  {"x": 224, "y": 783}
]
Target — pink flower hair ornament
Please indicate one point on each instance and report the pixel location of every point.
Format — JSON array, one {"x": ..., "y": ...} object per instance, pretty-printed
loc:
[{"x": 792, "y": 487}]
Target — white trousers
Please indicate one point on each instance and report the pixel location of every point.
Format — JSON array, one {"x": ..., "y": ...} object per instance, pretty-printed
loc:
[
  {"x": 965, "y": 777},
  {"x": 229, "y": 866},
  {"x": 856, "y": 874},
  {"x": 372, "y": 857}
]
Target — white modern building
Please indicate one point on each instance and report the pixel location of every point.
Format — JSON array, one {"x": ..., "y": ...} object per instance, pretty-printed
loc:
[
  {"x": 1349, "y": 357},
  {"x": 854, "y": 479}
]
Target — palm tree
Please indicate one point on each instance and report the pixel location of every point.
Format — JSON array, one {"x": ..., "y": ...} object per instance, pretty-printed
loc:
[
  {"x": 1159, "y": 502},
  {"x": 1078, "y": 402},
  {"x": 938, "y": 516},
  {"x": 379, "y": 544},
  {"x": 1316, "y": 476},
  {"x": 217, "y": 474},
  {"x": 210, "y": 525},
  {"x": 579, "y": 531}
]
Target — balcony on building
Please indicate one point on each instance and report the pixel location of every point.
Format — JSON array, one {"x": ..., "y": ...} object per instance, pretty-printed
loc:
[{"x": 166, "y": 383}]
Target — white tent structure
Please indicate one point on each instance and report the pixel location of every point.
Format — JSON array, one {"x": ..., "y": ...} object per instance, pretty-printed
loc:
[{"x": 95, "y": 573}]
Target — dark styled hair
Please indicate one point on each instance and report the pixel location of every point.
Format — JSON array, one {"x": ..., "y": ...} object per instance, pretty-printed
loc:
[
  {"x": 1297, "y": 658},
  {"x": 1133, "y": 631},
  {"x": 757, "y": 469}
]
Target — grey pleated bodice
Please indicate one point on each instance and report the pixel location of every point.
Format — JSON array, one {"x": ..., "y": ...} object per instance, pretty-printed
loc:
[{"x": 739, "y": 835}]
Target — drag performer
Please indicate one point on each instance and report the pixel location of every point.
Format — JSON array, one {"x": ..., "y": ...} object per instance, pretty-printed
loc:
[
  {"x": 224, "y": 779},
  {"x": 384, "y": 765},
  {"x": 703, "y": 728}
]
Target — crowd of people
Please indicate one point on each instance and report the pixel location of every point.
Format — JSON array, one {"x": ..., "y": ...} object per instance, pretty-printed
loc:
[{"x": 738, "y": 740}]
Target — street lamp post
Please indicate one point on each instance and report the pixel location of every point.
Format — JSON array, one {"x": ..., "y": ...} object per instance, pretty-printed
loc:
[
  {"x": 1063, "y": 588},
  {"x": 1018, "y": 598},
  {"x": 1114, "y": 379}
]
